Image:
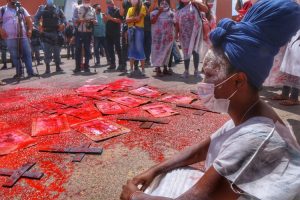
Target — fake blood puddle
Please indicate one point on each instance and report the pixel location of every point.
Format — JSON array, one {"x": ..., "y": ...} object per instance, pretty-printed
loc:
[{"x": 17, "y": 110}]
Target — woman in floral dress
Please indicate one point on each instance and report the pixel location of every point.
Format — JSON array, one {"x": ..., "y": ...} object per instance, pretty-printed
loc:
[
  {"x": 189, "y": 31},
  {"x": 163, "y": 35}
]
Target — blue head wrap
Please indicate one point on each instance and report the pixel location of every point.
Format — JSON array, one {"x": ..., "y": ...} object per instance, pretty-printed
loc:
[{"x": 251, "y": 44}]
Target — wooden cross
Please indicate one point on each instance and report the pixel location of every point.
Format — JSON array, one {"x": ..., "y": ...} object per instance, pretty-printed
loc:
[
  {"x": 22, "y": 172},
  {"x": 79, "y": 151},
  {"x": 200, "y": 109},
  {"x": 147, "y": 122}
]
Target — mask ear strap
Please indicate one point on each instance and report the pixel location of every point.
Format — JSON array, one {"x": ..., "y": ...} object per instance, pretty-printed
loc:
[
  {"x": 233, "y": 94},
  {"x": 226, "y": 80}
]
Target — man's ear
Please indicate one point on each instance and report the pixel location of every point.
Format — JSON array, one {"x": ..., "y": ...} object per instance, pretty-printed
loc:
[{"x": 241, "y": 80}]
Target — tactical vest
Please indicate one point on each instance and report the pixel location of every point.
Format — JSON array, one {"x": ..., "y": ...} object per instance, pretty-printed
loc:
[{"x": 51, "y": 18}]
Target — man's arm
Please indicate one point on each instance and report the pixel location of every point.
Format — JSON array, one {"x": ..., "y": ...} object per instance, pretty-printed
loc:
[
  {"x": 29, "y": 26},
  {"x": 38, "y": 16},
  {"x": 212, "y": 186}
]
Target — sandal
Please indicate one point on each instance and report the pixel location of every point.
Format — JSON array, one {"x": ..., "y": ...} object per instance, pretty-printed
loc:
[
  {"x": 167, "y": 72},
  {"x": 290, "y": 102},
  {"x": 159, "y": 72},
  {"x": 279, "y": 97}
]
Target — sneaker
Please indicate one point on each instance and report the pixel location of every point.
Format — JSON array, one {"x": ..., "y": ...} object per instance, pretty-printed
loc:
[
  {"x": 87, "y": 69},
  {"x": 32, "y": 75},
  {"x": 76, "y": 70},
  {"x": 4, "y": 67},
  {"x": 143, "y": 73},
  {"x": 2, "y": 83},
  {"x": 121, "y": 69},
  {"x": 112, "y": 67},
  {"x": 197, "y": 74},
  {"x": 130, "y": 72},
  {"x": 185, "y": 74}
]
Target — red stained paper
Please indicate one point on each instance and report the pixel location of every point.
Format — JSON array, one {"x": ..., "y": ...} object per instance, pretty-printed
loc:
[
  {"x": 49, "y": 107},
  {"x": 91, "y": 88},
  {"x": 110, "y": 108},
  {"x": 160, "y": 110},
  {"x": 54, "y": 124},
  {"x": 73, "y": 100},
  {"x": 121, "y": 84},
  {"x": 97, "y": 95},
  {"x": 129, "y": 101},
  {"x": 146, "y": 92},
  {"x": 11, "y": 140},
  {"x": 100, "y": 129},
  {"x": 177, "y": 99},
  {"x": 87, "y": 111}
]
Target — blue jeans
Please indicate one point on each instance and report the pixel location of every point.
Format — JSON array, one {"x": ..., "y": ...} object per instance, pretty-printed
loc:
[
  {"x": 98, "y": 43},
  {"x": 147, "y": 44},
  {"x": 136, "y": 44},
  {"x": 83, "y": 39},
  {"x": 25, "y": 55}
]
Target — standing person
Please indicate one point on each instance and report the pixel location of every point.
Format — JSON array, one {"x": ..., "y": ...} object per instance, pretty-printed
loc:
[
  {"x": 163, "y": 35},
  {"x": 85, "y": 18},
  {"x": 70, "y": 34},
  {"x": 189, "y": 31},
  {"x": 126, "y": 5},
  {"x": 135, "y": 19},
  {"x": 17, "y": 31},
  {"x": 113, "y": 19},
  {"x": 36, "y": 44},
  {"x": 290, "y": 67},
  {"x": 147, "y": 33},
  {"x": 51, "y": 21},
  {"x": 99, "y": 34}
]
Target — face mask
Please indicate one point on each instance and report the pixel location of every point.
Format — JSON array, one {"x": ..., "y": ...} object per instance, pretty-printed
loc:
[
  {"x": 134, "y": 2},
  {"x": 164, "y": 5},
  {"x": 50, "y": 2},
  {"x": 206, "y": 92}
]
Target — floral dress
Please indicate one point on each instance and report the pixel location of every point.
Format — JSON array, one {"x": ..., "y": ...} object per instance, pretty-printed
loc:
[
  {"x": 163, "y": 35},
  {"x": 190, "y": 30}
]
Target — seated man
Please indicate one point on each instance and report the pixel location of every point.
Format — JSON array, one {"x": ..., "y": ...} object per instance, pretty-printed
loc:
[{"x": 253, "y": 156}]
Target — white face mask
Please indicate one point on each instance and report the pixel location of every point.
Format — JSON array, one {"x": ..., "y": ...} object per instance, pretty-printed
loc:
[{"x": 206, "y": 92}]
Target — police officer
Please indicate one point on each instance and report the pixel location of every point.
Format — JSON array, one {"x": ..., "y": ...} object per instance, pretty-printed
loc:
[{"x": 51, "y": 20}]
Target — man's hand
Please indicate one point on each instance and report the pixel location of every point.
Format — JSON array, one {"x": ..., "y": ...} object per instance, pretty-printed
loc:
[
  {"x": 61, "y": 27},
  {"x": 128, "y": 190},
  {"x": 29, "y": 33},
  {"x": 144, "y": 179},
  {"x": 3, "y": 34}
]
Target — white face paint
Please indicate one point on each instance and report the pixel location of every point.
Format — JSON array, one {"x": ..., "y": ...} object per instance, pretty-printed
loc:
[{"x": 215, "y": 66}]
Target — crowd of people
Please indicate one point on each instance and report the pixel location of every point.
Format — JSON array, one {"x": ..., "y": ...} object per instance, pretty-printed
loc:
[{"x": 141, "y": 32}]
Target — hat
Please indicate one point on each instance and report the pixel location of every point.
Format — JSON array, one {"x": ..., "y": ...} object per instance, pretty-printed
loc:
[{"x": 251, "y": 44}]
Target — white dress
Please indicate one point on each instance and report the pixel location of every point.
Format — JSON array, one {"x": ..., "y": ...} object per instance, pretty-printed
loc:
[
  {"x": 163, "y": 36},
  {"x": 270, "y": 173},
  {"x": 190, "y": 30}
]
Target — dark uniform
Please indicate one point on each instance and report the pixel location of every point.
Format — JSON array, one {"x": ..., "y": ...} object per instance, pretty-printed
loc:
[{"x": 53, "y": 39}]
